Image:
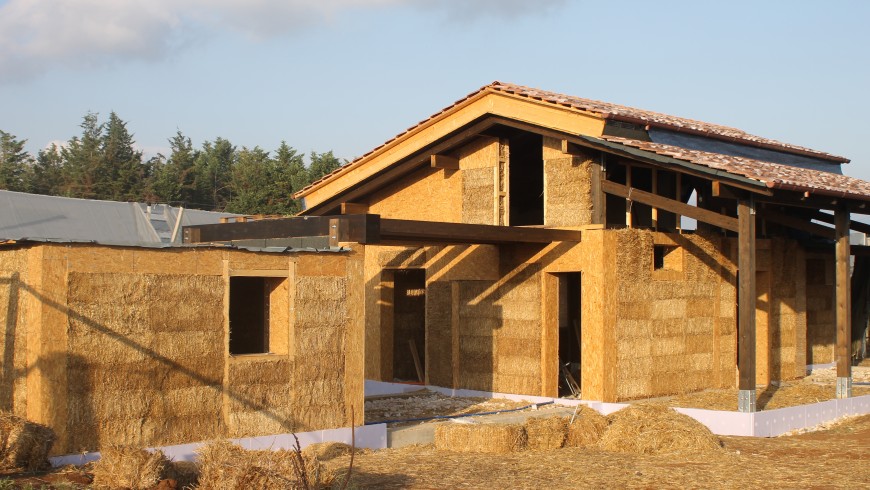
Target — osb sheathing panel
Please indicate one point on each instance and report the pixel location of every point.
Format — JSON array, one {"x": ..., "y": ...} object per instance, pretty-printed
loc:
[
  {"x": 673, "y": 335},
  {"x": 821, "y": 315},
  {"x": 13, "y": 321},
  {"x": 439, "y": 189},
  {"x": 598, "y": 310},
  {"x": 478, "y": 163},
  {"x": 567, "y": 186}
]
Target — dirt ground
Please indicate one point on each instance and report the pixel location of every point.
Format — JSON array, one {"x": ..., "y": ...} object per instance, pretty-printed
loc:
[{"x": 838, "y": 457}]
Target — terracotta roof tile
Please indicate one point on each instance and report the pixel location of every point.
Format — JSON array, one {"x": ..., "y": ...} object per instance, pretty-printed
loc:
[{"x": 773, "y": 175}]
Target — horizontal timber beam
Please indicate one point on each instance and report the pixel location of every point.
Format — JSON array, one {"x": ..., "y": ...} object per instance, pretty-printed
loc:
[
  {"x": 829, "y": 218},
  {"x": 795, "y": 222},
  {"x": 671, "y": 205},
  {"x": 370, "y": 228},
  {"x": 354, "y": 208},
  {"x": 444, "y": 161}
]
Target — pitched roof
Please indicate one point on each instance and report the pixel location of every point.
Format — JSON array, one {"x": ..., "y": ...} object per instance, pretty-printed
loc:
[
  {"x": 34, "y": 216},
  {"x": 607, "y": 111},
  {"x": 631, "y": 114},
  {"x": 773, "y": 175}
]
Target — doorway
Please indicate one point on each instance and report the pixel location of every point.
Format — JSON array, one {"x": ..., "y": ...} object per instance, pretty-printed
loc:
[
  {"x": 409, "y": 325},
  {"x": 570, "y": 324}
]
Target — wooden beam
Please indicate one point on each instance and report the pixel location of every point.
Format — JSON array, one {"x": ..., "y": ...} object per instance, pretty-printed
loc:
[
  {"x": 862, "y": 250},
  {"x": 354, "y": 208},
  {"x": 746, "y": 304},
  {"x": 679, "y": 198},
  {"x": 655, "y": 190},
  {"x": 795, "y": 222},
  {"x": 628, "y": 220},
  {"x": 670, "y": 205},
  {"x": 829, "y": 218},
  {"x": 843, "y": 304},
  {"x": 725, "y": 191},
  {"x": 444, "y": 162},
  {"x": 431, "y": 231}
]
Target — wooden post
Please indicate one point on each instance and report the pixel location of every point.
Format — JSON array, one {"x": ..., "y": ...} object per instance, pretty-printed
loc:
[
  {"x": 628, "y": 199},
  {"x": 746, "y": 302},
  {"x": 599, "y": 199},
  {"x": 655, "y": 190},
  {"x": 844, "y": 310}
]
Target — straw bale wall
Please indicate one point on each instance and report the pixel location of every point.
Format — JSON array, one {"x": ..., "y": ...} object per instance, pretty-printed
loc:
[
  {"x": 567, "y": 186},
  {"x": 13, "y": 334},
  {"x": 788, "y": 318},
  {"x": 675, "y": 329},
  {"x": 478, "y": 163},
  {"x": 130, "y": 345},
  {"x": 820, "y": 303}
]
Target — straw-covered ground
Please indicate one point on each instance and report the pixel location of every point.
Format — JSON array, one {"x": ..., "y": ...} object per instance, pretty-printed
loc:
[
  {"x": 837, "y": 456},
  {"x": 817, "y": 387},
  {"x": 426, "y": 403}
]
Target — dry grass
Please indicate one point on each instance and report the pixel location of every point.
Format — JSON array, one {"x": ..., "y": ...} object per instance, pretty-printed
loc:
[
  {"x": 586, "y": 429},
  {"x": 325, "y": 451},
  {"x": 480, "y": 438},
  {"x": 129, "y": 468},
  {"x": 226, "y": 466},
  {"x": 654, "y": 429},
  {"x": 23, "y": 444},
  {"x": 546, "y": 432}
]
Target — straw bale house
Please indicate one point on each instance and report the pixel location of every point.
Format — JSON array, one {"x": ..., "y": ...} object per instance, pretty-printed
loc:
[
  {"x": 520, "y": 231},
  {"x": 132, "y": 343}
]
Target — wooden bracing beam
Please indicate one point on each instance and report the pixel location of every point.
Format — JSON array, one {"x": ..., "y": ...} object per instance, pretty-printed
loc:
[
  {"x": 792, "y": 221},
  {"x": 444, "y": 161},
  {"x": 671, "y": 205},
  {"x": 830, "y": 218},
  {"x": 354, "y": 208}
]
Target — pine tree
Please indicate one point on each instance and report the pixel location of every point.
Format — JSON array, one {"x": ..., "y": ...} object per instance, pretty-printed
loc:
[
  {"x": 121, "y": 173},
  {"x": 213, "y": 173},
  {"x": 175, "y": 179},
  {"x": 82, "y": 159},
  {"x": 14, "y": 163},
  {"x": 47, "y": 172},
  {"x": 322, "y": 164},
  {"x": 292, "y": 176}
]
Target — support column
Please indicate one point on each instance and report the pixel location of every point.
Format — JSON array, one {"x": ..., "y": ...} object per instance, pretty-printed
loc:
[
  {"x": 746, "y": 301},
  {"x": 844, "y": 310}
]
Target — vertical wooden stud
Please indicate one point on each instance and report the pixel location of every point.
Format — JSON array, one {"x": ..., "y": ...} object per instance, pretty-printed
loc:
[
  {"x": 746, "y": 302},
  {"x": 844, "y": 310}
]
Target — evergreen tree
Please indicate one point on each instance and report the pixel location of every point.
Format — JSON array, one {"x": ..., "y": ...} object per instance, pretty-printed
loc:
[
  {"x": 251, "y": 183},
  {"x": 322, "y": 164},
  {"x": 213, "y": 173},
  {"x": 14, "y": 162},
  {"x": 175, "y": 179},
  {"x": 120, "y": 175},
  {"x": 292, "y": 176},
  {"x": 82, "y": 159},
  {"x": 47, "y": 172}
]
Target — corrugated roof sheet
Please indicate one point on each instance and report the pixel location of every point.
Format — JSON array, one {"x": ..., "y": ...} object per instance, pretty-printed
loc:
[
  {"x": 34, "y": 216},
  {"x": 773, "y": 175},
  {"x": 606, "y": 110}
]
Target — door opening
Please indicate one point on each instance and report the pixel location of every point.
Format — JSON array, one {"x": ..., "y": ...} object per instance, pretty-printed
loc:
[
  {"x": 570, "y": 343},
  {"x": 409, "y": 325}
]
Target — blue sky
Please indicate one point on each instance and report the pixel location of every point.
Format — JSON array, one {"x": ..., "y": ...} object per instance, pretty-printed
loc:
[{"x": 346, "y": 75}]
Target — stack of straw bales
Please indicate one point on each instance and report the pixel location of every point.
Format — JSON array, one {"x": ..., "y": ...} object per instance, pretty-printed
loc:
[
  {"x": 586, "y": 428},
  {"x": 656, "y": 429},
  {"x": 546, "y": 433},
  {"x": 226, "y": 466},
  {"x": 23, "y": 445},
  {"x": 142, "y": 369}
]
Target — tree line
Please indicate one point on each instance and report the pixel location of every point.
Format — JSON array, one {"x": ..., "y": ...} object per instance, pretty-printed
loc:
[{"x": 102, "y": 163}]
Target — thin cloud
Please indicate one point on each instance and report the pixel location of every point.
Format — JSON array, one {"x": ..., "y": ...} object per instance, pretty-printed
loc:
[{"x": 38, "y": 35}]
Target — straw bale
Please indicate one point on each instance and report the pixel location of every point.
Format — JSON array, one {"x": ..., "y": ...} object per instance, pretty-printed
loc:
[
  {"x": 586, "y": 429},
  {"x": 480, "y": 438},
  {"x": 325, "y": 451},
  {"x": 403, "y": 257},
  {"x": 568, "y": 195},
  {"x": 225, "y": 466},
  {"x": 439, "y": 344},
  {"x": 478, "y": 194},
  {"x": 546, "y": 432},
  {"x": 23, "y": 444},
  {"x": 129, "y": 468},
  {"x": 652, "y": 429},
  {"x": 518, "y": 365},
  {"x": 523, "y": 385}
]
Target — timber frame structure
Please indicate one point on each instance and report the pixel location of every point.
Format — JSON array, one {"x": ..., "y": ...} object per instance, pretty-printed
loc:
[{"x": 514, "y": 200}]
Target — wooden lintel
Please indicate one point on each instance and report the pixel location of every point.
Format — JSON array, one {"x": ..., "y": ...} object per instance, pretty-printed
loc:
[
  {"x": 445, "y": 162},
  {"x": 795, "y": 222},
  {"x": 843, "y": 350},
  {"x": 362, "y": 228},
  {"x": 746, "y": 294},
  {"x": 354, "y": 208},
  {"x": 670, "y": 205}
]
